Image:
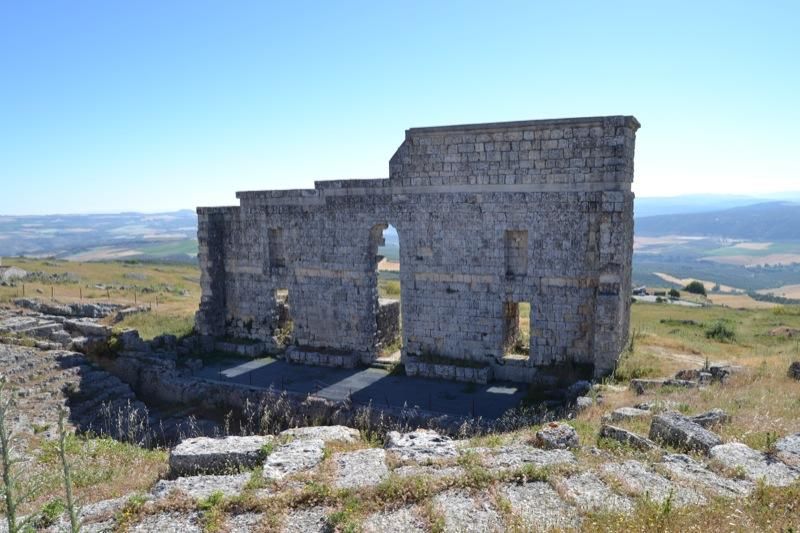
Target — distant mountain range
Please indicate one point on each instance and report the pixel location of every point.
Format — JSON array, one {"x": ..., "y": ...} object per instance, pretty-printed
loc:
[
  {"x": 770, "y": 221},
  {"x": 700, "y": 203}
]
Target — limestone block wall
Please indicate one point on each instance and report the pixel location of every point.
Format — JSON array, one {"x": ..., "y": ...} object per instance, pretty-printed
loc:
[{"x": 488, "y": 215}]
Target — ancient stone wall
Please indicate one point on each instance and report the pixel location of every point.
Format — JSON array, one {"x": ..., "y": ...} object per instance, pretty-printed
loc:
[{"x": 487, "y": 215}]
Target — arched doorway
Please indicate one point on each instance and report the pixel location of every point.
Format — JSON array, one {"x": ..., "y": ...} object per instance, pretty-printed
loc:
[{"x": 387, "y": 305}]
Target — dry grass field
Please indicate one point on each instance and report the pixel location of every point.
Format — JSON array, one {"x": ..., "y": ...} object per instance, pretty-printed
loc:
[
  {"x": 762, "y": 399},
  {"x": 787, "y": 291},
  {"x": 171, "y": 290},
  {"x": 387, "y": 265},
  {"x": 739, "y": 301},
  {"x": 685, "y": 281},
  {"x": 750, "y": 260}
]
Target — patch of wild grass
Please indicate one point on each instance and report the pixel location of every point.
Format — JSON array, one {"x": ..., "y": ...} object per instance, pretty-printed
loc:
[
  {"x": 786, "y": 310},
  {"x": 154, "y": 323},
  {"x": 102, "y": 468},
  {"x": 635, "y": 365},
  {"x": 212, "y": 512},
  {"x": 766, "y": 509},
  {"x": 389, "y": 288}
]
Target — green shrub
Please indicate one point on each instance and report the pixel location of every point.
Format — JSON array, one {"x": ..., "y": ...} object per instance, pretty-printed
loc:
[
  {"x": 674, "y": 293},
  {"x": 266, "y": 450},
  {"x": 695, "y": 287},
  {"x": 721, "y": 331},
  {"x": 50, "y": 514}
]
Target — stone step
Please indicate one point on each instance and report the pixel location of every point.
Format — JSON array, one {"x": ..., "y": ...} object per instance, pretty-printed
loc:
[
  {"x": 118, "y": 393},
  {"x": 639, "y": 479}
]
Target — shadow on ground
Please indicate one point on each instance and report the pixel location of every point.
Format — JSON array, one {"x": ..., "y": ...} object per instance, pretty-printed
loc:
[{"x": 365, "y": 385}]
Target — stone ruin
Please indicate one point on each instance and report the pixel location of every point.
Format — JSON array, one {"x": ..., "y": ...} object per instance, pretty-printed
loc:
[{"x": 488, "y": 216}]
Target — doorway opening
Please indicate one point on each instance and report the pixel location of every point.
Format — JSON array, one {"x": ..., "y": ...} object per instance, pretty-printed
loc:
[
  {"x": 283, "y": 331},
  {"x": 388, "y": 315},
  {"x": 517, "y": 334}
]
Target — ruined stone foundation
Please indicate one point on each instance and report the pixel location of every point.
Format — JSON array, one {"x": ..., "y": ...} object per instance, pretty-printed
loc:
[{"x": 491, "y": 218}]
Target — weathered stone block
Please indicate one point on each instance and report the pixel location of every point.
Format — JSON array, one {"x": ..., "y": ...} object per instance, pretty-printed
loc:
[
  {"x": 677, "y": 430},
  {"x": 209, "y": 455}
]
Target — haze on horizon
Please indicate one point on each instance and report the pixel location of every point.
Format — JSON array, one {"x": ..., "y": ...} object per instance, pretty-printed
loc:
[{"x": 162, "y": 106}]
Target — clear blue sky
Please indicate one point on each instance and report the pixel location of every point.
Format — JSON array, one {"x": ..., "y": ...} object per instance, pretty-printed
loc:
[{"x": 110, "y": 105}]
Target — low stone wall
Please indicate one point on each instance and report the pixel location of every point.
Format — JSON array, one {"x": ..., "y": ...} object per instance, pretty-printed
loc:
[
  {"x": 303, "y": 357},
  {"x": 85, "y": 310},
  {"x": 155, "y": 376},
  {"x": 414, "y": 367},
  {"x": 255, "y": 349},
  {"x": 517, "y": 371}
]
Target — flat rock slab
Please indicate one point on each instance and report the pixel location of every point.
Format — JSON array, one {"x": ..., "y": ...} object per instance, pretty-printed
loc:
[
  {"x": 420, "y": 446},
  {"x": 589, "y": 493},
  {"x": 516, "y": 456},
  {"x": 684, "y": 468},
  {"x": 405, "y": 519},
  {"x": 754, "y": 464},
  {"x": 557, "y": 435},
  {"x": 657, "y": 405},
  {"x": 244, "y": 522},
  {"x": 626, "y": 413},
  {"x": 293, "y": 457},
  {"x": 172, "y": 522},
  {"x": 788, "y": 449},
  {"x": 88, "y": 327},
  {"x": 463, "y": 513},
  {"x": 361, "y": 468},
  {"x": 677, "y": 430},
  {"x": 105, "y": 526},
  {"x": 714, "y": 417},
  {"x": 429, "y": 470},
  {"x": 311, "y": 520},
  {"x": 583, "y": 402},
  {"x": 627, "y": 437},
  {"x": 95, "y": 517},
  {"x": 642, "y": 481},
  {"x": 540, "y": 508},
  {"x": 214, "y": 456},
  {"x": 643, "y": 385},
  {"x": 324, "y": 433},
  {"x": 199, "y": 487}
]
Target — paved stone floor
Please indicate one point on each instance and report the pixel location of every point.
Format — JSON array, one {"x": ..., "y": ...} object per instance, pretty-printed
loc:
[{"x": 370, "y": 384}]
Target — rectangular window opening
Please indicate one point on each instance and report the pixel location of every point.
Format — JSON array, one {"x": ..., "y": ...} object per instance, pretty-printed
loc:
[
  {"x": 277, "y": 258},
  {"x": 516, "y": 243}
]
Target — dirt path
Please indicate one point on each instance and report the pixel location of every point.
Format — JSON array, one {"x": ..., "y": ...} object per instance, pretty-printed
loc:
[{"x": 696, "y": 360}]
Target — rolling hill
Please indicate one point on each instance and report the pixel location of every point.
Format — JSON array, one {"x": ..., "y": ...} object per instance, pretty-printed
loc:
[
  {"x": 769, "y": 221},
  {"x": 162, "y": 236}
]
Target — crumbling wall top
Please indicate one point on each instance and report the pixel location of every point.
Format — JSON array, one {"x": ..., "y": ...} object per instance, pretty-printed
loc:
[{"x": 493, "y": 127}]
